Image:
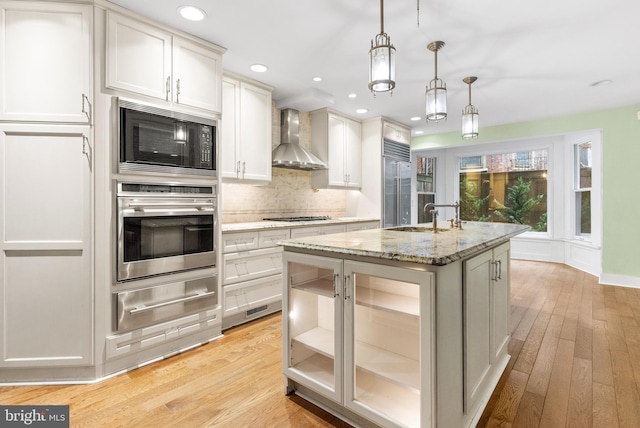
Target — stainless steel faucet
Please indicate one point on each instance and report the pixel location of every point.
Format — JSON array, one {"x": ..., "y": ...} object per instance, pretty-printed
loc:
[{"x": 457, "y": 223}]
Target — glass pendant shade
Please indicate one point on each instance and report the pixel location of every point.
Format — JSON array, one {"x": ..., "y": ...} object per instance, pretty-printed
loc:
[
  {"x": 436, "y": 96},
  {"x": 180, "y": 132},
  {"x": 470, "y": 122},
  {"x": 469, "y": 114},
  {"x": 382, "y": 64}
]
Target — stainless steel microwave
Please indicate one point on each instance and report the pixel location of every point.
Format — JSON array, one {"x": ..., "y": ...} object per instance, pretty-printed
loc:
[{"x": 154, "y": 140}]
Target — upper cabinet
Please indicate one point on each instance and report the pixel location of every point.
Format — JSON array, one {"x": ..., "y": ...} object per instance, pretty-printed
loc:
[
  {"x": 396, "y": 132},
  {"x": 337, "y": 140},
  {"x": 246, "y": 130},
  {"x": 149, "y": 61},
  {"x": 45, "y": 58}
]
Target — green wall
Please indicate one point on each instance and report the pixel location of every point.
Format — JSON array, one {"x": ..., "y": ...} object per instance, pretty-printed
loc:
[{"x": 621, "y": 170}]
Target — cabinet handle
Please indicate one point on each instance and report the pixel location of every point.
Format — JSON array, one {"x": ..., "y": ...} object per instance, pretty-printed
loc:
[
  {"x": 499, "y": 265},
  {"x": 86, "y": 147},
  {"x": 346, "y": 287},
  {"x": 88, "y": 112},
  {"x": 244, "y": 168},
  {"x": 167, "y": 88},
  {"x": 177, "y": 90},
  {"x": 336, "y": 291},
  {"x": 238, "y": 169}
]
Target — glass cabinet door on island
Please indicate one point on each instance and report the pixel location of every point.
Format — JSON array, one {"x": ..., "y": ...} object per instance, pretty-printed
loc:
[
  {"x": 362, "y": 335},
  {"x": 313, "y": 337}
]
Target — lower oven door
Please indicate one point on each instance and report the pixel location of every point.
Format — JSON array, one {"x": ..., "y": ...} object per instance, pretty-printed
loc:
[
  {"x": 158, "y": 236},
  {"x": 147, "y": 306}
]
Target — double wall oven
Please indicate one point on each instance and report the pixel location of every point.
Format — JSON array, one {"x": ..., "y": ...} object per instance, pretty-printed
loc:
[{"x": 166, "y": 221}]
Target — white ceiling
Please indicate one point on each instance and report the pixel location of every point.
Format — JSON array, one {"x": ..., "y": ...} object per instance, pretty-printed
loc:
[{"x": 533, "y": 59}]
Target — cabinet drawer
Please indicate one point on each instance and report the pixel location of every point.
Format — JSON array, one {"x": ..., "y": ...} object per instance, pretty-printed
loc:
[
  {"x": 243, "y": 241},
  {"x": 270, "y": 238},
  {"x": 248, "y": 265},
  {"x": 233, "y": 242},
  {"x": 251, "y": 294},
  {"x": 363, "y": 226}
]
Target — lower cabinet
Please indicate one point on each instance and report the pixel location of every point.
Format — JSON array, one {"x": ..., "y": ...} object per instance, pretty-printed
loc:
[
  {"x": 486, "y": 334},
  {"x": 362, "y": 335},
  {"x": 251, "y": 275}
]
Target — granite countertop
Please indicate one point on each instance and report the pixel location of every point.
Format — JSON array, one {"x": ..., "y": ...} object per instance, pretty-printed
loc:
[
  {"x": 423, "y": 247},
  {"x": 268, "y": 224}
]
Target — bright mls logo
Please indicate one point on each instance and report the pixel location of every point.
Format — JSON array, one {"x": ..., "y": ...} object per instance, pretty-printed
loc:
[{"x": 34, "y": 416}]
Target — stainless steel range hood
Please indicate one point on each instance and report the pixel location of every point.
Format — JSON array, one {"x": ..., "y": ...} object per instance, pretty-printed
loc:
[{"x": 290, "y": 154}]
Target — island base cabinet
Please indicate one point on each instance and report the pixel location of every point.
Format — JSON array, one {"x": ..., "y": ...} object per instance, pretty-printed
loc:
[{"x": 361, "y": 335}]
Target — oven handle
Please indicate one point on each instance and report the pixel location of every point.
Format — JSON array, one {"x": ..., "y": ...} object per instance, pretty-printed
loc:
[
  {"x": 139, "y": 309},
  {"x": 169, "y": 205}
]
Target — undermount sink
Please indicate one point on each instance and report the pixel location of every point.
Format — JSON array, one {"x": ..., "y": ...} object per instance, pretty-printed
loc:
[{"x": 416, "y": 229}]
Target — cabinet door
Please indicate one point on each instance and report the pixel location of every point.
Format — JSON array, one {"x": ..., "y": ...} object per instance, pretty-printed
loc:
[
  {"x": 312, "y": 324},
  {"x": 230, "y": 132},
  {"x": 353, "y": 154},
  {"x": 46, "y": 295},
  {"x": 255, "y": 132},
  {"x": 138, "y": 57},
  {"x": 197, "y": 75},
  {"x": 389, "y": 344},
  {"x": 501, "y": 303},
  {"x": 45, "y": 58},
  {"x": 477, "y": 326},
  {"x": 336, "y": 144}
]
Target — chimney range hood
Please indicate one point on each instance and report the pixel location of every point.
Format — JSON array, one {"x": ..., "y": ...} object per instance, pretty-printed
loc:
[{"x": 290, "y": 154}]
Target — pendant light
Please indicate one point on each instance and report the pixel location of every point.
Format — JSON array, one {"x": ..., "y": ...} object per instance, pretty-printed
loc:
[
  {"x": 436, "y": 95},
  {"x": 382, "y": 60},
  {"x": 470, "y": 114}
]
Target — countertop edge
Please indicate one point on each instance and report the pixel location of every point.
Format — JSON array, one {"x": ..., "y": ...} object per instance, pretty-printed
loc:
[{"x": 268, "y": 225}]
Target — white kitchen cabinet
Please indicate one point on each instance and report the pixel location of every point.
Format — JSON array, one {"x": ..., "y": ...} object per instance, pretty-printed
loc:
[
  {"x": 364, "y": 225},
  {"x": 395, "y": 132},
  {"x": 302, "y": 232},
  {"x": 246, "y": 131},
  {"x": 362, "y": 335},
  {"x": 486, "y": 319},
  {"x": 337, "y": 140},
  {"x": 150, "y": 61},
  {"x": 251, "y": 274},
  {"x": 46, "y": 62},
  {"x": 46, "y": 286}
]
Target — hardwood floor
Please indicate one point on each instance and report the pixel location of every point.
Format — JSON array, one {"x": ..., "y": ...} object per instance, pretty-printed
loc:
[{"x": 575, "y": 363}]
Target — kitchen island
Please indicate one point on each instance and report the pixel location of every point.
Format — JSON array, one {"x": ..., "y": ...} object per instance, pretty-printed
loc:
[{"x": 398, "y": 327}]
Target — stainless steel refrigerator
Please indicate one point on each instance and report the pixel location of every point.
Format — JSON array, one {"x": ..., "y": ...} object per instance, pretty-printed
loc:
[{"x": 396, "y": 165}]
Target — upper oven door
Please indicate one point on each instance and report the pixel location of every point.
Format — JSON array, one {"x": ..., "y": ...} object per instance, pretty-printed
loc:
[
  {"x": 162, "y": 141},
  {"x": 158, "y": 235}
]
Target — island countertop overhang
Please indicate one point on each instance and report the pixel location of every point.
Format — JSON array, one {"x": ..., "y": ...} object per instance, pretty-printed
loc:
[{"x": 423, "y": 247}]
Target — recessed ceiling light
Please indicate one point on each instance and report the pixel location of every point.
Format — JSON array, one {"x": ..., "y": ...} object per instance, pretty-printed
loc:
[
  {"x": 317, "y": 79},
  {"x": 361, "y": 110},
  {"x": 352, "y": 95},
  {"x": 418, "y": 133},
  {"x": 415, "y": 118},
  {"x": 192, "y": 13},
  {"x": 601, "y": 83},
  {"x": 259, "y": 68}
]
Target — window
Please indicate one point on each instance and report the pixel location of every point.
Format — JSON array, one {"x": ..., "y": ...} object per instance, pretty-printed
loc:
[
  {"x": 505, "y": 187},
  {"x": 582, "y": 166},
  {"x": 425, "y": 185}
]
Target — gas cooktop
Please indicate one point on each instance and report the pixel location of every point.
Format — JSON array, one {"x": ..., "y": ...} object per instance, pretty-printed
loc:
[{"x": 302, "y": 218}]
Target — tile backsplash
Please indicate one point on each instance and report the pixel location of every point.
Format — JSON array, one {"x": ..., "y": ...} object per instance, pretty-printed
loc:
[{"x": 289, "y": 193}]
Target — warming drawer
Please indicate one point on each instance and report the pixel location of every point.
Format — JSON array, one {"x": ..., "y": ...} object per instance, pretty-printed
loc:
[{"x": 146, "y": 306}]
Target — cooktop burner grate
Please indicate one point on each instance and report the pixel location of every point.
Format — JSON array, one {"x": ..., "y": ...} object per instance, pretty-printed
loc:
[{"x": 301, "y": 218}]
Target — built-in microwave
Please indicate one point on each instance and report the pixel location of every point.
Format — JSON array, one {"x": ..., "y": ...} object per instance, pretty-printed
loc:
[{"x": 154, "y": 140}]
